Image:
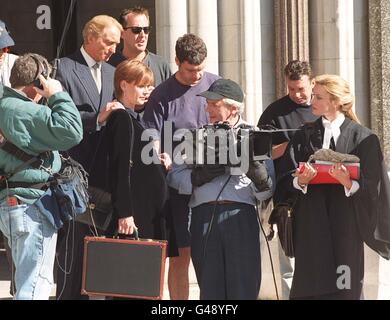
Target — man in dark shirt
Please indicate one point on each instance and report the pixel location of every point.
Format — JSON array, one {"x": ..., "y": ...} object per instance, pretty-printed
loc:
[
  {"x": 289, "y": 112},
  {"x": 136, "y": 29},
  {"x": 176, "y": 102}
]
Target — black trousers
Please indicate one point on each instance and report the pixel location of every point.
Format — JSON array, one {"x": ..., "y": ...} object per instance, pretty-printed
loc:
[
  {"x": 70, "y": 250},
  {"x": 227, "y": 258}
]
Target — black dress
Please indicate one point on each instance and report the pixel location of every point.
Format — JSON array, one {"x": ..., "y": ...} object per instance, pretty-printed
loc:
[
  {"x": 329, "y": 228},
  {"x": 145, "y": 196}
]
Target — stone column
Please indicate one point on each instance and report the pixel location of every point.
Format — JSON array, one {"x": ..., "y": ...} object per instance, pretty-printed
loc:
[
  {"x": 291, "y": 37},
  {"x": 379, "y": 25},
  {"x": 332, "y": 38},
  {"x": 230, "y": 39},
  {"x": 203, "y": 22},
  {"x": 268, "y": 58},
  {"x": 362, "y": 86},
  {"x": 172, "y": 22},
  {"x": 252, "y": 62},
  {"x": 240, "y": 50}
]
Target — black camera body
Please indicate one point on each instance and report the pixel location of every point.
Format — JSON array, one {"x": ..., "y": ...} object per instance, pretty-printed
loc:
[{"x": 221, "y": 144}]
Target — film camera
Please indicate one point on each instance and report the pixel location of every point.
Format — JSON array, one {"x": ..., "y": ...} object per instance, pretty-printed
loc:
[{"x": 219, "y": 143}]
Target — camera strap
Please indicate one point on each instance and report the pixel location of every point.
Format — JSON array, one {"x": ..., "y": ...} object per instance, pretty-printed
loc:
[{"x": 28, "y": 159}]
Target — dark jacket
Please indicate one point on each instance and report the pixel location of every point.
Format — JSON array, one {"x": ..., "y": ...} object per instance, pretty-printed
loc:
[
  {"x": 329, "y": 228},
  {"x": 144, "y": 194},
  {"x": 76, "y": 78}
]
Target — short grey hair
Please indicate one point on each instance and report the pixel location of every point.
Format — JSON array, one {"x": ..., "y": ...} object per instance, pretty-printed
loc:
[
  {"x": 26, "y": 69},
  {"x": 231, "y": 102}
]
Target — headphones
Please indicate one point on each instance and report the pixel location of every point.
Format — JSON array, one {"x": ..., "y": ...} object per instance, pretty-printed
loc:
[{"x": 43, "y": 68}]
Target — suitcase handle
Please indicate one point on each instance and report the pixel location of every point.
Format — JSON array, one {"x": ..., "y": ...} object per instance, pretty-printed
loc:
[{"x": 134, "y": 236}]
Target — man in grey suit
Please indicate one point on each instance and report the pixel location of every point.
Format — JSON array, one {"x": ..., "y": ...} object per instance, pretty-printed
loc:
[{"x": 89, "y": 80}]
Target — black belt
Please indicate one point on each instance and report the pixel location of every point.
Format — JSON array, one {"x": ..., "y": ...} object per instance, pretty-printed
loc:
[{"x": 221, "y": 202}]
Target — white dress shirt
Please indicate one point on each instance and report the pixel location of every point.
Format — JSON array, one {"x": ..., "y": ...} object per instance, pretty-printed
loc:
[
  {"x": 332, "y": 129},
  {"x": 94, "y": 67},
  {"x": 5, "y": 68}
]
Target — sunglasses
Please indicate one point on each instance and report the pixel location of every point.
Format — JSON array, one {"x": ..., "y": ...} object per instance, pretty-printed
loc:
[{"x": 138, "y": 30}]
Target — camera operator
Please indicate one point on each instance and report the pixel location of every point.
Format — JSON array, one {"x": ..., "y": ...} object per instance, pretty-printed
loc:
[
  {"x": 35, "y": 129},
  {"x": 225, "y": 243}
]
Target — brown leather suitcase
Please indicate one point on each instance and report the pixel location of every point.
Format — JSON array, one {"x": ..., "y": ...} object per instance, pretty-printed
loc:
[{"x": 124, "y": 268}]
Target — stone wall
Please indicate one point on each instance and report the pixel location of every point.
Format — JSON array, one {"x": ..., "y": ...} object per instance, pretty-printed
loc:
[{"x": 379, "y": 26}]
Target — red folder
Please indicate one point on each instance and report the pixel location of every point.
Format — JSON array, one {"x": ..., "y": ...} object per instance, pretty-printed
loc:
[{"x": 323, "y": 176}]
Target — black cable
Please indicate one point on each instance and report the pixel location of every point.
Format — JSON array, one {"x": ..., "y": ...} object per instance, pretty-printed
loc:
[
  {"x": 60, "y": 46},
  {"x": 262, "y": 229},
  {"x": 66, "y": 270},
  {"x": 271, "y": 128},
  {"x": 68, "y": 22},
  {"x": 212, "y": 221},
  {"x": 269, "y": 253},
  {"x": 13, "y": 284}
]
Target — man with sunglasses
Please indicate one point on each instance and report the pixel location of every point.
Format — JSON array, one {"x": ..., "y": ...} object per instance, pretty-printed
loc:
[
  {"x": 6, "y": 59},
  {"x": 135, "y": 35}
]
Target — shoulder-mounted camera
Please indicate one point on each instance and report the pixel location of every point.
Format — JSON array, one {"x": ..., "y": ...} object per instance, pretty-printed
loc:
[{"x": 220, "y": 143}]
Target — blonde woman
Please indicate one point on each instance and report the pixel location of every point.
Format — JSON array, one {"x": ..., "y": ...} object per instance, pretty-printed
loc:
[{"x": 331, "y": 221}]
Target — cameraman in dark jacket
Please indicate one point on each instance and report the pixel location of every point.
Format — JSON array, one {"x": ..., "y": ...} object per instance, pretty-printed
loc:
[{"x": 225, "y": 242}]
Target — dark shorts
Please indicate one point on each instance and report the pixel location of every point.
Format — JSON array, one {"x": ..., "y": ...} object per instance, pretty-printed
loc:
[{"x": 180, "y": 217}]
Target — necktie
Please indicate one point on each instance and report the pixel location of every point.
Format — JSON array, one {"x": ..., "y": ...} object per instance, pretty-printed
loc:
[
  {"x": 327, "y": 135},
  {"x": 97, "y": 75},
  {"x": 332, "y": 145}
]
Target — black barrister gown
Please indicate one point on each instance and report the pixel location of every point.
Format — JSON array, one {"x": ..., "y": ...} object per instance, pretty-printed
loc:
[
  {"x": 147, "y": 192},
  {"x": 328, "y": 227}
]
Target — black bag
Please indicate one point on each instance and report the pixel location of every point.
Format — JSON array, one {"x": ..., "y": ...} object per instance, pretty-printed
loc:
[
  {"x": 281, "y": 215},
  {"x": 99, "y": 209},
  {"x": 66, "y": 194},
  {"x": 70, "y": 189}
]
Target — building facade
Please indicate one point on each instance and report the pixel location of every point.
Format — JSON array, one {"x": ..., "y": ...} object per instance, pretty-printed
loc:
[{"x": 249, "y": 41}]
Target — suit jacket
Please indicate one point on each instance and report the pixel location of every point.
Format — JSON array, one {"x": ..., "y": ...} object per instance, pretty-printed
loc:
[{"x": 76, "y": 78}]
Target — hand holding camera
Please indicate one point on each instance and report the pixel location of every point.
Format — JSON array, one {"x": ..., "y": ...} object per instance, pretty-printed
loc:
[
  {"x": 257, "y": 172},
  {"x": 204, "y": 174}
]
